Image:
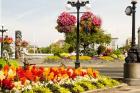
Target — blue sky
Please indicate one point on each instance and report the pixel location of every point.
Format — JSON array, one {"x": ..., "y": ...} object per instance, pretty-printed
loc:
[{"x": 37, "y": 18}]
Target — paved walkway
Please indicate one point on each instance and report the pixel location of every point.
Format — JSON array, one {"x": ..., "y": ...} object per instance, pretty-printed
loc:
[{"x": 128, "y": 89}]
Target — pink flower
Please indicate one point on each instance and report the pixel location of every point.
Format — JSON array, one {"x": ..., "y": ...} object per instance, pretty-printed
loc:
[
  {"x": 65, "y": 22},
  {"x": 87, "y": 16},
  {"x": 65, "y": 19},
  {"x": 97, "y": 21}
]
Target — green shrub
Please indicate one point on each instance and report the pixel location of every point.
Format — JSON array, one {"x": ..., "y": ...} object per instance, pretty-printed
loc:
[
  {"x": 92, "y": 53},
  {"x": 77, "y": 88},
  {"x": 121, "y": 57},
  {"x": 87, "y": 85},
  {"x": 81, "y": 57},
  {"x": 106, "y": 58},
  {"x": 53, "y": 88},
  {"x": 10, "y": 62},
  {"x": 114, "y": 56},
  {"x": 68, "y": 86},
  {"x": 114, "y": 82},
  {"x": 64, "y": 55},
  {"x": 101, "y": 49},
  {"x": 41, "y": 90},
  {"x": 63, "y": 90},
  {"x": 117, "y": 52},
  {"x": 98, "y": 84},
  {"x": 28, "y": 91},
  {"x": 108, "y": 82},
  {"x": 52, "y": 58}
]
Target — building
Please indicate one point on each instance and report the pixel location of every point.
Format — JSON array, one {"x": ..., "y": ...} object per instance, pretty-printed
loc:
[
  {"x": 114, "y": 43},
  {"x": 128, "y": 41}
]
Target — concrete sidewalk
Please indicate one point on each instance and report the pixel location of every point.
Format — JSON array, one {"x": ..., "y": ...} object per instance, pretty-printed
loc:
[{"x": 128, "y": 89}]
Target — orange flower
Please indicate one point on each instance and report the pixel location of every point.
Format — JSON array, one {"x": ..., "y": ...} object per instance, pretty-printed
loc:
[
  {"x": 6, "y": 67},
  {"x": 23, "y": 79},
  {"x": 50, "y": 76},
  {"x": 90, "y": 71},
  {"x": 78, "y": 72},
  {"x": 46, "y": 72},
  {"x": 70, "y": 72},
  {"x": 54, "y": 70},
  {"x": 29, "y": 75}
]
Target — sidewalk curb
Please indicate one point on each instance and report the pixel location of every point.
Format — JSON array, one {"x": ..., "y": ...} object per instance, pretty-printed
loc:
[{"x": 106, "y": 89}]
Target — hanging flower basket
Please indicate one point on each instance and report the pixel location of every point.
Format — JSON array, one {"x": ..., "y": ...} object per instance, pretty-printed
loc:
[
  {"x": 7, "y": 40},
  {"x": 90, "y": 22},
  {"x": 65, "y": 29},
  {"x": 65, "y": 22}
]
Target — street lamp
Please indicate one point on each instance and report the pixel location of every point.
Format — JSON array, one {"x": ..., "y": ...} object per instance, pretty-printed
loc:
[
  {"x": 133, "y": 55},
  {"x": 2, "y": 31},
  {"x": 132, "y": 65},
  {"x": 78, "y": 4}
]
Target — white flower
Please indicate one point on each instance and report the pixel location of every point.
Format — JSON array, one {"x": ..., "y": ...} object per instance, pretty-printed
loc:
[
  {"x": 2, "y": 75},
  {"x": 18, "y": 85},
  {"x": 29, "y": 87}
]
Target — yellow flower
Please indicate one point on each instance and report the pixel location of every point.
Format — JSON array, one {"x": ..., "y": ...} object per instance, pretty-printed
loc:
[
  {"x": 11, "y": 73},
  {"x": 2, "y": 75}
]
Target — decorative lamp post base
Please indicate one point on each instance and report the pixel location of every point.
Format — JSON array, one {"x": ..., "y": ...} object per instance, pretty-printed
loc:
[
  {"x": 132, "y": 74},
  {"x": 77, "y": 65}
]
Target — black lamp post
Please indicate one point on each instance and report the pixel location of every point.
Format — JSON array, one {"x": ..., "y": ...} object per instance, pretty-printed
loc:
[
  {"x": 132, "y": 65},
  {"x": 133, "y": 54},
  {"x": 78, "y": 4},
  {"x": 2, "y": 31}
]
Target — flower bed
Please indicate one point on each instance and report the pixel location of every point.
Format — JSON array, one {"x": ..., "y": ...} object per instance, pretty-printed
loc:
[
  {"x": 32, "y": 79},
  {"x": 67, "y": 58}
]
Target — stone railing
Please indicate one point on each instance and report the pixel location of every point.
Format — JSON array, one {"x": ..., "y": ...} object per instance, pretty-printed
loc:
[{"x": 25, "y": 54}]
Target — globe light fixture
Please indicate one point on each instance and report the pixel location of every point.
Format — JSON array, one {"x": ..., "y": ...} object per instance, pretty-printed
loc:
[
  {"x": 88, "y": 6},
  {"x": 134, "y": 1},
  {"x": 128, "y": 10},
  {"x": 68, "y": 6}
]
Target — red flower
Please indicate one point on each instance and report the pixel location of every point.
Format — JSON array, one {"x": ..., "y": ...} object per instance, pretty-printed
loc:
[
  {"x": 7, "y": 84},
  {"x": 94, "y": 74},
  {"x": 6, "y": 67}
]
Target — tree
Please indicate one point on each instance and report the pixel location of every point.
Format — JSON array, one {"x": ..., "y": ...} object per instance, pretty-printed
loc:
[
  {"x": 87, "y": 41},
  {"x": 56, "y": 49}
]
